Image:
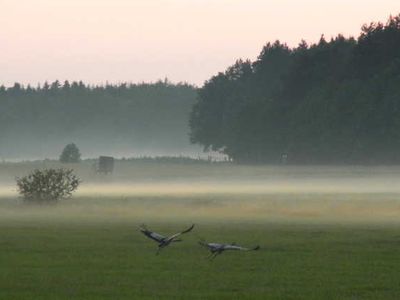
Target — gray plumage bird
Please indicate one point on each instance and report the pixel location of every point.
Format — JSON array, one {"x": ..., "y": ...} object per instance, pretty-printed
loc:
[
  {"x": 216, "y": 248},
  {"x": 162, "y": 240}
]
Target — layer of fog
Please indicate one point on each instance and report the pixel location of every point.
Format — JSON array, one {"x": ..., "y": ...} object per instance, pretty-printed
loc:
[{"x": 153, "y": 192}]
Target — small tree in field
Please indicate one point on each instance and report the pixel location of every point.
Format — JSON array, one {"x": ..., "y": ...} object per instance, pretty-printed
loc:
[
  {"x": 46, "y": 186},
  {"x": 70, "y": 154}
]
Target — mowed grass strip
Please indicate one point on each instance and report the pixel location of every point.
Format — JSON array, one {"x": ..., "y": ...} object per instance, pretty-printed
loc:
[{"x": 114, "y": 261}]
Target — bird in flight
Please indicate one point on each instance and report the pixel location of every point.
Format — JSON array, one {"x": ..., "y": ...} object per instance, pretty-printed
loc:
[
  {"x": 163, "y": 241},
  {"x": 216, "y": 248}
]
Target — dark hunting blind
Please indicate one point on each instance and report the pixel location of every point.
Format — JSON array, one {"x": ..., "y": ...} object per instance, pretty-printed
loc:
[{"x": 105, "y": 164}]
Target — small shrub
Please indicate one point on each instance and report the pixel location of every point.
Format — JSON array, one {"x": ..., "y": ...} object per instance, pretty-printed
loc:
[
  {"x": 70, "y": 154},
  {"x": 49, "y": 185}
]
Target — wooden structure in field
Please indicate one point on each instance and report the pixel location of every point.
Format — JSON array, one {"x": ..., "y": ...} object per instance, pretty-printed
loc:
[{"x": 105, "y": 164}]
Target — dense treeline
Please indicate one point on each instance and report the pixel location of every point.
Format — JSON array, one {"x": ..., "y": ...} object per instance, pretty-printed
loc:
[
  {"x": 122, "y": 120},
  {"x": 336, "y": 101}
]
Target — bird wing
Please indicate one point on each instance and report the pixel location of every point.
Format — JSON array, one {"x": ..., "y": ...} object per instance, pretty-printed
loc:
[
  {"x": 179, "y": 233},
  {"x": 211, "y": 246},
  {"x": 216, "y": 246},
  {"x": 234, "y": 247},
  {"x": 152, "y": 235}
]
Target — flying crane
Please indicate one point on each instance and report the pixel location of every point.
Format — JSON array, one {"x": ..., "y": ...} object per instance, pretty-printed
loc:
[
  {"x": 162, "y": 240},
  {"x": 216, "y": 248}
]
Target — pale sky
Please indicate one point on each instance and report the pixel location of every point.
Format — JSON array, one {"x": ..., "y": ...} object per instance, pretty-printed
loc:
[{"x": 145, "y": 40}]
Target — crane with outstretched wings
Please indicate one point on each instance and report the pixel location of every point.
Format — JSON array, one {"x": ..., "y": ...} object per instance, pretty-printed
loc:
[
  {"x": 163, "y": 241},
  {"x": 217, "y": 248}
]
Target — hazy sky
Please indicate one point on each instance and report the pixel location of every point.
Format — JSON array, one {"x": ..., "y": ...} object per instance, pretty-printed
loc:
[{"x": 145, "y": 40}]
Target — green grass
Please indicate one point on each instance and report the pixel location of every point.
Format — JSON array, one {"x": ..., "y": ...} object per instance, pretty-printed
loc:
[{"x": 111, "y": 260}]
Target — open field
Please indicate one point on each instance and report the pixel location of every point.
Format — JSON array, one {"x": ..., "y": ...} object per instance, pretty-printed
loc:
[
  {"x": 111, "y": 261},
  {"x": 324, "y": 232}
]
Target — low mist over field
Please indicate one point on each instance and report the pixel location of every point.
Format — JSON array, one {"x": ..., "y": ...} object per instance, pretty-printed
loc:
[
  {"x": 340, "y": 224},
  {"x": 218, "y": 192}
]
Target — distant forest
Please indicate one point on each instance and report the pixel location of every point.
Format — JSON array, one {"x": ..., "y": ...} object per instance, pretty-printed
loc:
[
  {"x": 336, "y": 101},
  {"x": 122, "y": 120}
]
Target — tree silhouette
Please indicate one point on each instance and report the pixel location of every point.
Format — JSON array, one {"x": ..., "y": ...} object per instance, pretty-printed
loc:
[
  {"x": 70, "y": 154},
  {"x": 336, "y": 101}
]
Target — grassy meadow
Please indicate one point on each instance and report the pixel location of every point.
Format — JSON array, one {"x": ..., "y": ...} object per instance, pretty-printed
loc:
[{"x": 324, "y": 232}]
